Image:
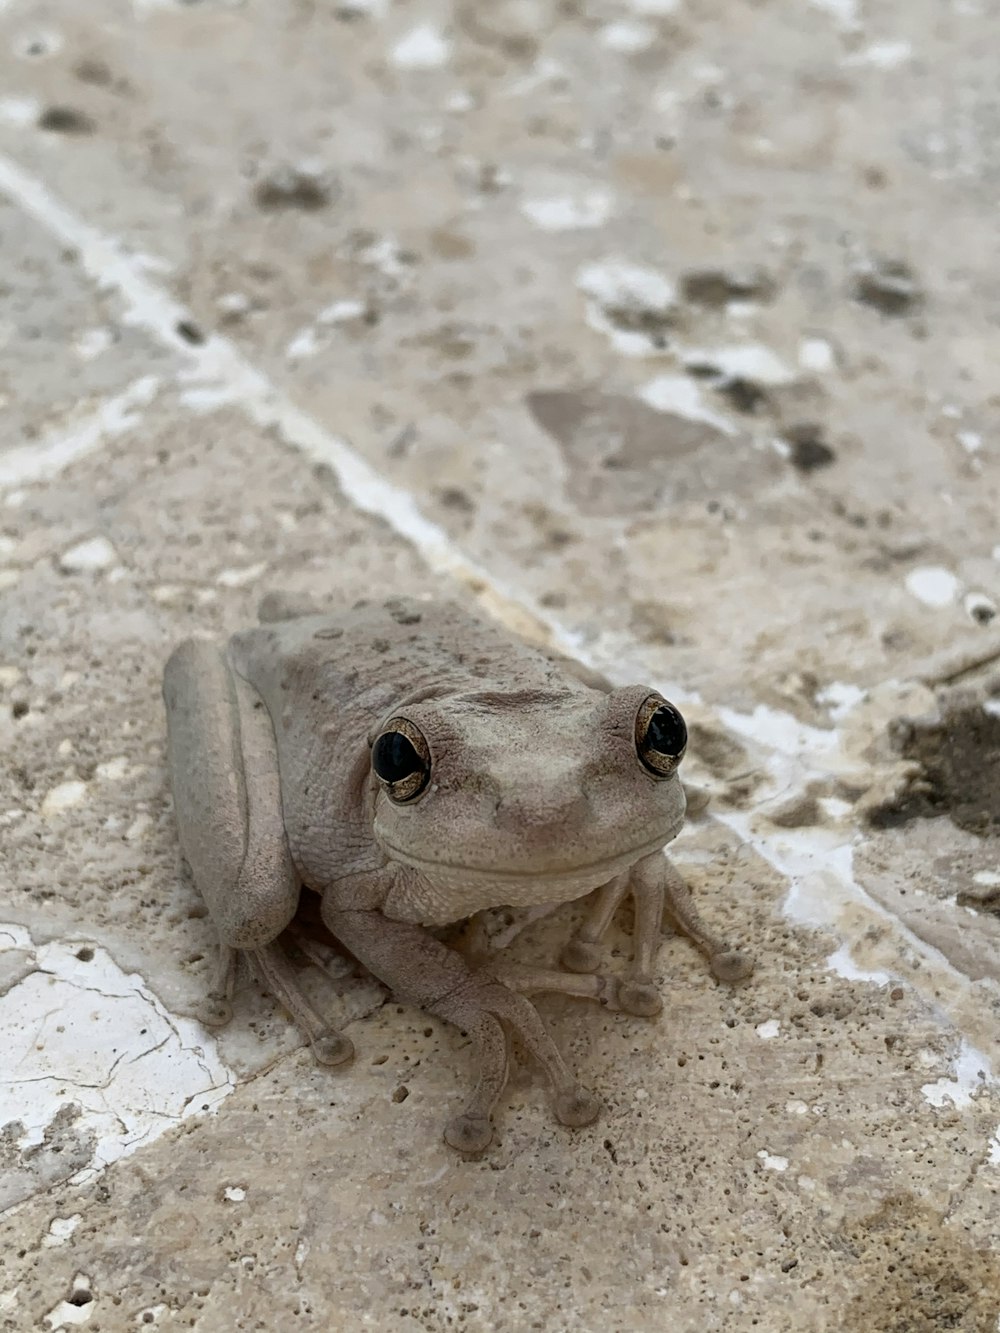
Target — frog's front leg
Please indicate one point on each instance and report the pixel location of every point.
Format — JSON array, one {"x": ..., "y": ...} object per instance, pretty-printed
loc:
[
  {"x": 422, "y": 971},
  {"x": 654, "y": 884},
  {"x": 227, "y": 802}
]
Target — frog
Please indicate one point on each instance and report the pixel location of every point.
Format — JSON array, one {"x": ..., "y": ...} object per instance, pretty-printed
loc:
[{"x": 410, "y": 764}]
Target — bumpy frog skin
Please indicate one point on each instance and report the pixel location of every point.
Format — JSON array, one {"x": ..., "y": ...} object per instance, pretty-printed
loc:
[{"x": 413, "y": 766}]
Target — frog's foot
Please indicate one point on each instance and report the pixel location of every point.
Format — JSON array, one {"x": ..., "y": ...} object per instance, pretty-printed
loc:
[
  {"x": 329, "y": 1046},
  {"x": 654, "y": 885},
  {"x": 485, "y": 1007},
  {"x": 727, "y": 963}
]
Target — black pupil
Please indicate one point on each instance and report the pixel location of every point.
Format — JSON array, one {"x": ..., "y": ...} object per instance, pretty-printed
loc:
[
  {"x": 667, "y": 732},
  {"x": 394, "y": 758}
]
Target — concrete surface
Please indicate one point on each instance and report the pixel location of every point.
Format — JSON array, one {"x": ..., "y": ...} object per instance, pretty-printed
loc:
[{"x": 666, "y": 330}]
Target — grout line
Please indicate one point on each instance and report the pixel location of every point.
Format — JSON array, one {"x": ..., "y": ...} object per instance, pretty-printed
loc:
[
  {"x": 218, "y": 374},
  {"x": 30, "y": 463}
]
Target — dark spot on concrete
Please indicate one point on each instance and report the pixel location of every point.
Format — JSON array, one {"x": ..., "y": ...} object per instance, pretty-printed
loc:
[
  {"x": 66, "y": 120},
  {"x": 624, "y": 456},
  {"x": 401, "y": 1093},
  {"x": 745, "y": 395},
  {"x": 85, "y": 955},
  {"x": 80, "y": 1296},
  {"x": 718, "y": 286},
  {"x": 402, "y": 612},
  {"x": 888, "y": 285},
  {"x": 190, "y": 332},
  {"x": 959, "y": 760},
  {"x": 333, "y": 632},
  {"x": 19, "y": 708},
  {"x": 380, "y": 645},
  {"x": 808, "y": 450},
  {"x": 800, "y": 813},
  {"x": 95, "y": 72},
  {"x": 453, "y": 497},
  {"x": 288, "y": 188},
  {"x": 914, "y": 1273}
]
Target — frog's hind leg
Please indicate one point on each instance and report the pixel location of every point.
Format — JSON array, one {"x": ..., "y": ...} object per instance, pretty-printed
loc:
[{"x": 227, "y": 802}]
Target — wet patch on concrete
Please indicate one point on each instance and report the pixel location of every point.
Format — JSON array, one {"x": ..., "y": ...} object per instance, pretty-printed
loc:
[
  {"x": 626, "y": 456},
  {"x": 957, "y": 759}
]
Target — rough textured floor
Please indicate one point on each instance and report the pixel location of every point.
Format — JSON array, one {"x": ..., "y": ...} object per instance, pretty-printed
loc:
[{"x": 666, "y": 330}]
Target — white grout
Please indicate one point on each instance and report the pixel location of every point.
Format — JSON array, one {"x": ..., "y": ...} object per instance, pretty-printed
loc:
[{"x": 30, "y": 463}]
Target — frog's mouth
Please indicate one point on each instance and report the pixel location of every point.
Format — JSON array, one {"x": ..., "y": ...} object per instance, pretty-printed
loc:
[{"x": 481, "y": 886}]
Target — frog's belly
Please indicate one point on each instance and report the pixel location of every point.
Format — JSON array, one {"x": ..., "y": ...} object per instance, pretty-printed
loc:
[{"x": 438, "y": 895}]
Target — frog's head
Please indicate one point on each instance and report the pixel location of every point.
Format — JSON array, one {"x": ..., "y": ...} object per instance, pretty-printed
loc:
[{"x": 524, "y": 797}]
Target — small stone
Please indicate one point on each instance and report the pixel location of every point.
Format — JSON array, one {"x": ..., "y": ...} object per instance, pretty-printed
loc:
[{"x": 88, "y": 557}]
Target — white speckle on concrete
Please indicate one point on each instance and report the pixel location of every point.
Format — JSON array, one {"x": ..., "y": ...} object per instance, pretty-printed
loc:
[
  {"x": 817, "y": 355},
  {"x": 78, "y": 1030},
  {"x": 234, "y": 305},
  {"x": 423, "y": 47},
  {"x": 972, "y": 1070},
  {"x": 750, "y": 361},
  {"x": 19, "y": 111},
  {"x": 769, "y": 1030},
  {"x": 460, "y": 102},
  {"x": 303, "y": 345},
  {"x": 113, "y": 770},
  {"x": 239, "y": 578},
  {"x": 844, "y": 11},
  {"x": 616, "y": 282},
  {"x": 9, "y": 578},
  {"x": 341, "y": 312},
  {"x": 8, "y": 1299},
  {"x": 994, "y": 1160},
  {"x": 796, "y": 1107},
  {"x": 996, "y": 553},
  {"x": 970, "y": 440},
  {"x": 770, "y": 1162},
  {"x": 628, "y": 37},
  {"x": 654, "y": 7},
  {"x": 9, "y": 675},
  {"x": 63, "y": 797},
  {"x": 88, "y": 557},
  {"x": 882, "y": 55},
  {"x": 840, "y": 698},
  {"x": 989, "y": 878},
  {"x": 841, "y": 962},
  {"x": 570, "y": 212},
  {"x": 680, "y": 395},
  {"x": 138, "y": 827},
  {"x": 93, "y": 342},
  {"x": 235, "y": 1193},
  {"x": 30, "y": 463},
  {"x": 933, "y": 585},
  {"x": 60, "y": 1230},
  {"x": 991, "y": 707}
]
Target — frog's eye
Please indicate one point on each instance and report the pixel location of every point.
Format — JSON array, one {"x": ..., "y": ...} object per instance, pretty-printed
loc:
[
  {"x": 401, "y": 760},
  {"x": 661, "y": 736}
]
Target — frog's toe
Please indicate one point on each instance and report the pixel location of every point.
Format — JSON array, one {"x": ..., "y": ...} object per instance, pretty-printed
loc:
[
  {"x": 577, "y": 1107},
  {"x": 469, "y": 1133},
  {"x": 640, "y": 998},
  {"x": 731, "y": 965},
  {"x": 332, "y": 1048},
  {"x": 579, "y": 956}
]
